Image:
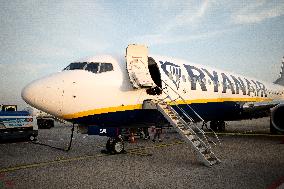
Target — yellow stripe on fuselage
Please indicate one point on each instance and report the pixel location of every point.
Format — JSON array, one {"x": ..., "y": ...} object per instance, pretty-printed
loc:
[
  {"x": 139, "y": 106},
  {"x": 103, "y": 110},
  {"x": 255, "y": 99}
]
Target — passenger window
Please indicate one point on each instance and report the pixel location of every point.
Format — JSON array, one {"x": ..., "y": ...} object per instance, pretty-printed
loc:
[{"x": 92, "y": 67}]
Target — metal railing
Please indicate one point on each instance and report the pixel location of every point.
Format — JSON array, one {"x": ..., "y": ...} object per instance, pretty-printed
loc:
[{"x": 186, "y": 114}]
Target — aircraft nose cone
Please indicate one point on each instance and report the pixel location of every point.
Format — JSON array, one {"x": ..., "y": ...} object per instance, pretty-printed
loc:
[
  {"x": 45, "y": 94},
  {"x": 30, "y": 93}
]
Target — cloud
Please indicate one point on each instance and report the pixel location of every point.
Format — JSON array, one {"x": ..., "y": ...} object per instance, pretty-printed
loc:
[
  {"x": 46, "y": 51},
  {"x": 14, "y": 76},
  {"x": 192, "y": 21},
  {"x": 189, "y": 15},
  {"x": 22, "y": 68},
  {"x": 158, "y": 39},
  {"x": 257, "y": 12}
]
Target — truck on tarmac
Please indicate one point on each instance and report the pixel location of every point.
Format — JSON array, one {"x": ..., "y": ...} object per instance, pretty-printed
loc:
[
  {"x": 44, "y": 120},
  {"x": 16, "y": 124}
]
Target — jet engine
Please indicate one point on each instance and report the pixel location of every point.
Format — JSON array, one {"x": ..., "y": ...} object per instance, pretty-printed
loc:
[{"x": 277, "y": 118}]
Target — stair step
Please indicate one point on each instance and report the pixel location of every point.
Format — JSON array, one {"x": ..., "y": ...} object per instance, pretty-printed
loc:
[
  {"x": 187, "y": 132},
  {"x": 207, "y": 157},
  {"x": 190, "y": 137},
  {"x": 183, "y": 128},
  {"x": 203, "y": 150},
  {"x": 213, "y": 162},
  {"x": 174, "y": 117},
  {"x": 196, "y": 143},
  {"x": 199, "y": 146},
  {"x": 211, "y": 159}
]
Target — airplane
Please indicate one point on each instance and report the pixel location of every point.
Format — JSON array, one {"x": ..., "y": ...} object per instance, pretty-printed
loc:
[{"x": 105, "y": 93}]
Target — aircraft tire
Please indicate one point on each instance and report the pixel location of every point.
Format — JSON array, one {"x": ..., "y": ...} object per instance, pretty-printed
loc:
[
  {"x": 108, "y": 145},
  {"x": 33, "y": 138},
  {"x": 221, "y": 125},
  {"x": 118, "y": 147},
  {"x": 115, "y": 146},
  {"x": 218, "y": 125},
  {"x": 45, "y": 124},
  {"x": 214, "y": 125},
  {"x": 49, "y": 123},
  {"x": 273, "y": 130}
]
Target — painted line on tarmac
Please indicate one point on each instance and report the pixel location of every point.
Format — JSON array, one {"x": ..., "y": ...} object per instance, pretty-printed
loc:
[
  {"x": 41, "y": 164},
  {"x": 162, "y": 145},
  {"x": 136, "y": 151},
  {"x": 142, "y": 151},
  {"x": 246, "y": 134}
]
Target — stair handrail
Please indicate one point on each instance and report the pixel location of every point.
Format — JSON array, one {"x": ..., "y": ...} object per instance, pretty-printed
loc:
[
  {"x": 184, "y": 112},
  {"x": 192, "y": 131},
  {"x": 184, "y": 101},
  {"x": 200, "y": 130}
]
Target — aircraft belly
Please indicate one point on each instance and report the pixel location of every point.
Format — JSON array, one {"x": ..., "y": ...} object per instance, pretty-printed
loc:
[
  {"x": 140, "y": 117},
  {"x": 215, "y": 110},
  {"x": 128, "y": 118}
]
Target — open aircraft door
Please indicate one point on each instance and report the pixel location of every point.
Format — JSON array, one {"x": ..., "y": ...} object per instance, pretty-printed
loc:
[{"x": 137, "y": 66}]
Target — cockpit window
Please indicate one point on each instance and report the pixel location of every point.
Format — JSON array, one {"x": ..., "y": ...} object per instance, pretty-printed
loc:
[
  {"x": 76, "y": 66},
  {"x": 95, "y": 67},
  {"x": 92, "y": 67},
  {"x": 105, "y": 67}
]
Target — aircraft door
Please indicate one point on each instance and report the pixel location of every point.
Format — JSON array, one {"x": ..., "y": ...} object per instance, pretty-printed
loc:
[{"x": 137, "y": 66}]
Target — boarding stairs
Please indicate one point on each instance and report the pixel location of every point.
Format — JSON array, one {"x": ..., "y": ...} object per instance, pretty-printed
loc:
[{"x": 189, "y": 130}]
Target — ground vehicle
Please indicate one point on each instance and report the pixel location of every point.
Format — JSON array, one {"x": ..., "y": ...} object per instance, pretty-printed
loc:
[
  {"x": 44, "y": 120},
  {"x": 16, "y": 124}
]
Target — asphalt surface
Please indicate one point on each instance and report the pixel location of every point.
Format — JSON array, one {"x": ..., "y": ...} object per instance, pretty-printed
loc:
[{"x": 248, "y": 161}]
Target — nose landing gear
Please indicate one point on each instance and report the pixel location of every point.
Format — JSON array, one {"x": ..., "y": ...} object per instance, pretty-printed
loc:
[{"x": 115, "y": 145}]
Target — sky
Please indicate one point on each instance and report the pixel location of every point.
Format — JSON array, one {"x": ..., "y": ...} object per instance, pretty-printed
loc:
[{"x": 41, "y": 37}]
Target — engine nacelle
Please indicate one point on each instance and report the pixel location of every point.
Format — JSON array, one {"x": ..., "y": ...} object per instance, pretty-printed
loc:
[{"x": 277, "y": 117}]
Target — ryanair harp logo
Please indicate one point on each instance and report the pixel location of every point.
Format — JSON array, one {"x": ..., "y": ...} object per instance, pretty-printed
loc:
[{"x": 172, "y": 71}]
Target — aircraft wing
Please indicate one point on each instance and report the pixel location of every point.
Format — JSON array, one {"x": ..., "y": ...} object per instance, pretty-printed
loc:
[{"x": 259, "y": 109}]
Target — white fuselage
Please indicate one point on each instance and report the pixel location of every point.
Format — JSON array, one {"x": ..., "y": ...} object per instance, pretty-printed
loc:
[{"x": 72, "y": 94}]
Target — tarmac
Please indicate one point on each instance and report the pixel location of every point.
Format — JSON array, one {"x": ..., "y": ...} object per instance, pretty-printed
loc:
[{"x": 251, "y": 158}]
